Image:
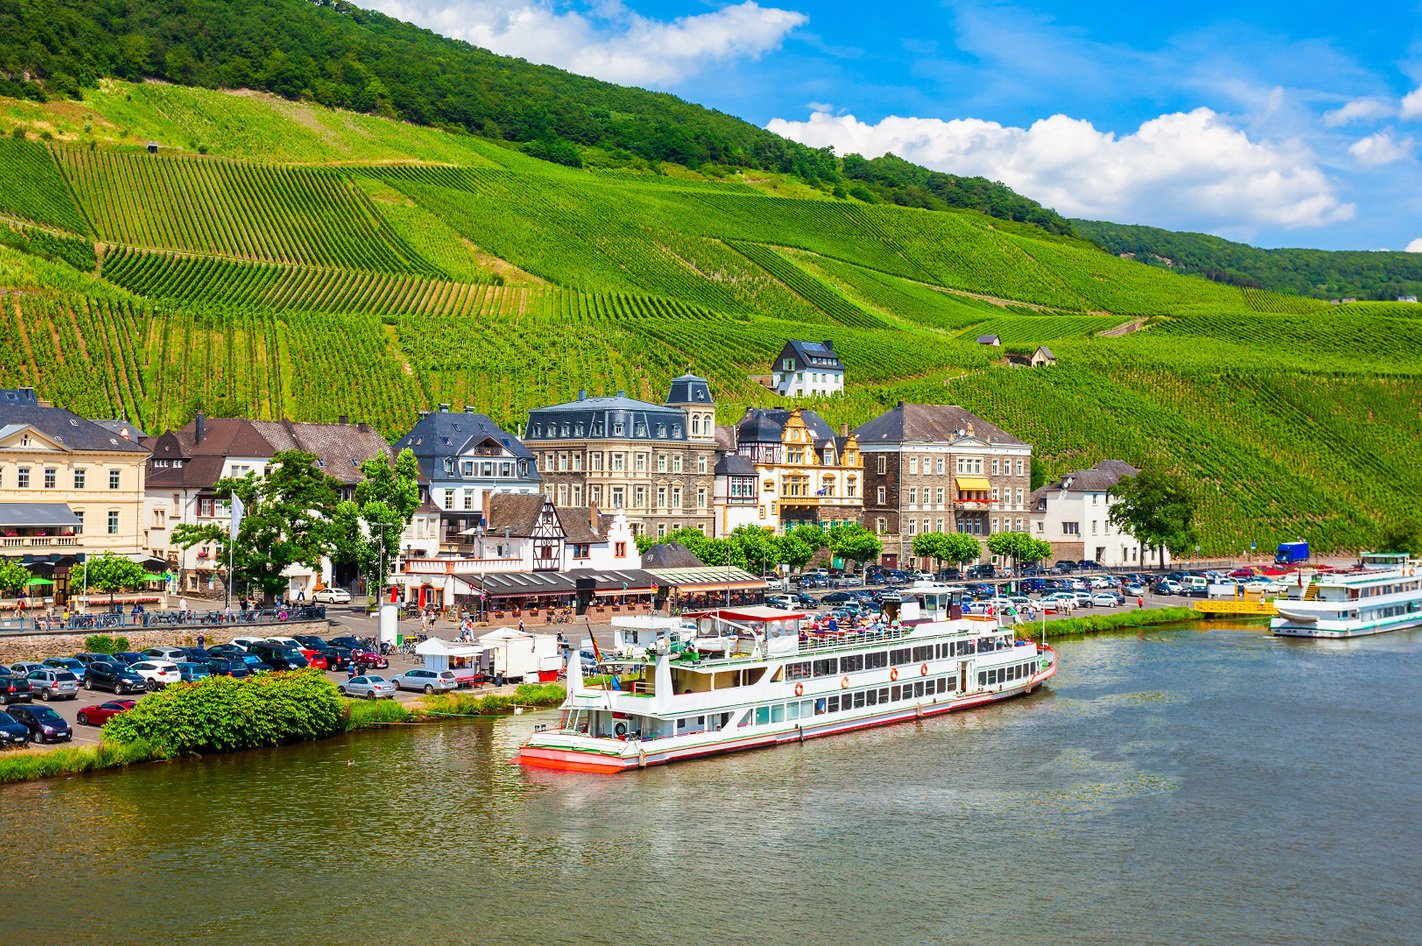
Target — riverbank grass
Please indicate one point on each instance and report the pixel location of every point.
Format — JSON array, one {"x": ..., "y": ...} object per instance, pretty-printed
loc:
[
  {"x": 1096, "y": 623},
  {"x": 28, "y": 764},
  {"x": 469, "y": 703}
]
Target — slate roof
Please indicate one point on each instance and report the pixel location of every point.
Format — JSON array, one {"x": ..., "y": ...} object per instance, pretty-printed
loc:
[
  {"x": 928, "y": 423},
  {"x": 123, "y": 428},
  {"x": 1046, "y": 351},
  {"x": 449, "y": 433},
  {"x": 1099, "y": 478},
  {"x": 689, "y": 389},
  {"x": 989, "y": 340},
  {"x": 670, "y": 555},
  {"x": 21, "y": 406},
  {"x": 733, "y": 464},
  {"x": 819, "y": 356},
  {"x": 197, "y": 473},
  {"x": 767, "y": 424},
  {"x": 618, "y": 402}
]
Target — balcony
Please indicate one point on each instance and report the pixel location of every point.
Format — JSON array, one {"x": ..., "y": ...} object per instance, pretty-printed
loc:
[
  {"x": 975, "y": 505},
  {"x": 39, "y": 541}
]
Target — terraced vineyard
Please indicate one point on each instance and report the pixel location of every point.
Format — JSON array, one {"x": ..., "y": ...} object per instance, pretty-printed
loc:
[{"x": 493, "y": 280}]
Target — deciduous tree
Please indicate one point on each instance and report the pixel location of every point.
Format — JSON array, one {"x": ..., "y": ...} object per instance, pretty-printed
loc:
[{"x": 1157, "y": 511}]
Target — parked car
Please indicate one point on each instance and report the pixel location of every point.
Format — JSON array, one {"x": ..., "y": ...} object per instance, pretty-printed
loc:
[
  {"x": 115, "y": 677},
  {"x": 44, "y": 724},
  {"x": 1106, "y": 599},
  {"x": 14, "y": 688},
  {"x": 366, "y": 659},
  {"x": 157, "y": 673},
  {"x": 191, "y": 672},
  {"x": 368, "y": 686},
  {"x": 103, "y": 712},
  {"x": 87, "y": 659},
  {"x": 337, "y": 658},
  {"x": 354, "y": 643},
  {"x": 1245, "y": 573},
  {"x": 225, "y": 652},
  {"x": 837, "y": 598},
  {"x": 1065, "y": 566},
  {"x": 1134, "y": 589},
  {"x": 331, "y": 596},
  {"x": 246, "y": 642},
  {"x": 171, "y": 654},
  {"x": 256, "y": 664},
  {"x": 1083, "y": 598},
  {"x": 52, "y": 683},
  {"x": 194, "y": 655},
  {"x": 279, "y": 656},
  {"x": 234, "y": 667},
  {"x": 1088, "y": 563},
  {"x": 431, "y": 681},
  {"x": 127, "y": 656},
  {"x": 73, "y": 665},
  {"x": 12, "y": 731},
  {"x": 24, "y": 667},
  {"x": 783, "y": 602}
]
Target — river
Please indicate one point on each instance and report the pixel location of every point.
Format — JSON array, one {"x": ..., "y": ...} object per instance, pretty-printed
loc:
[{"x": 1194, "y": 785}]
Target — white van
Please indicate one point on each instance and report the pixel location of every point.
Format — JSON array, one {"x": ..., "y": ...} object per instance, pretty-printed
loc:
[{"x": 1194, "y": 586}]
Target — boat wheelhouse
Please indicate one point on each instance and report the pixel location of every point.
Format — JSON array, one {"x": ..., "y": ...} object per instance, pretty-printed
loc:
[
  {"x": 738, "y": 678},
  {"x": 1383, "y": 593}
]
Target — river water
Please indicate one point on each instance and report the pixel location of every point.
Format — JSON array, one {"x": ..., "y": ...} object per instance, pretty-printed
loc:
[{"x": 1197, "y": 785}]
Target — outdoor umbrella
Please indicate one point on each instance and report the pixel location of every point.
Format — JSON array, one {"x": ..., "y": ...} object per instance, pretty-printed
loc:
[{"x": 38, "y": 581}]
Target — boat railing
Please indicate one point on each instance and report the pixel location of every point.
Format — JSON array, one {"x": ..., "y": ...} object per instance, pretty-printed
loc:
[{"x": 826, "y": 640}]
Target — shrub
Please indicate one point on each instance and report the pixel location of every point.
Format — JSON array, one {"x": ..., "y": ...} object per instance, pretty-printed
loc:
[
  {"x": 221, "y": 714},
  {"x": 104, "y": 644}
]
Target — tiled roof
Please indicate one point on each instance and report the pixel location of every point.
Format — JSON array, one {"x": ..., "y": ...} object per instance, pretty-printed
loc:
[
  {"x": 726, "y": 437},
  {"x": 341, "y": 448},
  {"x": 20, "y": 407},
  {"x": 1099, "y": 478},
  {"x": 517, "y": 512},
  {"x": 929, "y": 423},
  {"x": 577, "y": 525},
  {"x": 197, "y": 473},
  {"x": 222, "y": 437}
]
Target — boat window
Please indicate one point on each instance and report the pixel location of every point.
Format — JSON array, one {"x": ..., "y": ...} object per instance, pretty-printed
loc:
[
  {"x": 918, "y": 688},
  {"x": 819, "y": 707},
  {"x": 799, "y": 670},
  {"x": 982, "y": 678},
  {"x": 834, "y": 704},
  {"x": 947, "y": 683},
  {"x": 777, "y": 713},
  {"x": 745, "y": 718},
  {"x": 924, "y": 652},
  {"x": 792, "y": 710},
  {"x": 762, "y": 715},
  {"x": 851, "y": 663},
  {"x": 900, "y": 657},
  {"x": 871, "y": 698},
  {"x": 894, "y": 693},
  {"x": 827, "y": 667},
  {"x": 876, "y": 659},
  {"x": 883, "y": 694},
  {"x": 859, "y": 700}
]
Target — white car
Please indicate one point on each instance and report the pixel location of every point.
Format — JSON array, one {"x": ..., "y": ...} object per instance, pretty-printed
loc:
[
  {"x": 1083, "y": 598},
  {"x": 1104, "y": 599},
  {"x": 331, "y": 596},
  {"x": 157, "y": 673},
  {"x": 1058, "y": 601},
  {"x": 246, "y": 642}
]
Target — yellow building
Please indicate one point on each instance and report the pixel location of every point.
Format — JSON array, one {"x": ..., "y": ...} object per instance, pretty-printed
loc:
[
  {"x": 67, "y": 485},
  {"x": 807, "y": 475}
]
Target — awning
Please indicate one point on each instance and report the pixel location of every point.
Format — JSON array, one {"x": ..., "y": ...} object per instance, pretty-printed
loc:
[
  {"x": 975, "y": 483},
  {"x": 614, "y": 592},
  {"x": 37, "y": 516},
  {"x": 707, "y": 578},
  {"x": 695, "y": 589}
]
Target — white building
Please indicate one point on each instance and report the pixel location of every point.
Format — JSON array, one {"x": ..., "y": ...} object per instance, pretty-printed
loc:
[
  {"x": 1074, "y": 515},
  {"x": 807, "y": 368}
]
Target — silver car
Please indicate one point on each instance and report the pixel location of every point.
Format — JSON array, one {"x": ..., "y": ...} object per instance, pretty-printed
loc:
[
  {"x": 370, "y": 686},
  {"x": 52, "y": 684},
  {"x": 431, "y": 681}
]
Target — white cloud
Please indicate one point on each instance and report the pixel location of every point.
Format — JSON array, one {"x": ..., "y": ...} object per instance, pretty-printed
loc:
[
  {"x": 1415, "y": 246},
  {"x": 1359, "y": 110},
  {"x": 609, "y": 41},
  {"x": 1379, "y": 149},
  {"x": 1183, "y": 169},
  {"x": 1412, "y": 104}
]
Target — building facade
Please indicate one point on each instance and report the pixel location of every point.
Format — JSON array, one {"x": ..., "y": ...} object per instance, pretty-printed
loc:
[
  {"x": 653, "y": 462},
  {"x": 807, "y": 368},
  {"x": 68, "y": 486},
  {"x": 806, "y": 475},
  {"x": 939, "y": 468},
  {"x": 1073, "y": 513},
  {"x": 467, "y": 457}
]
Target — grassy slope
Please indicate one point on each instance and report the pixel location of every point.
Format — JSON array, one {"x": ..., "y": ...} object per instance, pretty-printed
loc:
[{"x": 1289, "y": 419}]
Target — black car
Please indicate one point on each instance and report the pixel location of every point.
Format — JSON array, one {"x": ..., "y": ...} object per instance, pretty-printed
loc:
[
  {"x": 348, "y": 642},
  {"x": 14, "y": 689},
  {"x": 337, "y": 658},
  {"x": 113, "y": 676},
  {"x": 234, "y": 667},
  {"x": 44, "y": 724},
  {"x": 128, "y": 657},
  {"x": 12, "y": 731},
  {"x": 279, "y": 656},
  {"x": 195, "y": 655},
  {"x": 225, "y": 652},
  {"x": 1064, "y": 567},
  {"x": 985, "y": 570},
  {"x": 87, "y": 659}
]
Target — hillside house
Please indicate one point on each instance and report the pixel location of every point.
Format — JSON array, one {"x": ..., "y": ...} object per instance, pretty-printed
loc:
[
  {"x": 807, "y": 368},
  {"x": 992, "y": 341},
  {"x": 1042, "y": 357}
]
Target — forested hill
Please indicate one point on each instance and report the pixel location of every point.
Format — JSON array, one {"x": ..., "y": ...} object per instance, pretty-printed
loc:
[
  {"x": 344, "y": 57},
  {"x": 1323, "y": 274}
]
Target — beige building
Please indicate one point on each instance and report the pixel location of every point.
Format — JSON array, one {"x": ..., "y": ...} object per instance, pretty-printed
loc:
[
  {"x": 653, "y": 462},
  {"x": 67, "y": 486}
]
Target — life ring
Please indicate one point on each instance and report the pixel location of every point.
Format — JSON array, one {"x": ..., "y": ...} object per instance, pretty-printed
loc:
[
  {"x": 799, "y": 689},
  {"x": 844, "y": 682},
  {"x": 620, "y": 729},
  {"x": 923, "y": 671},
  {"x": 894, "y": 674}
]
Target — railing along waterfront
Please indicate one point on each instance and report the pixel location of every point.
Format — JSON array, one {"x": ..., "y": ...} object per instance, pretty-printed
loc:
[{"x": 120, "y": 621}]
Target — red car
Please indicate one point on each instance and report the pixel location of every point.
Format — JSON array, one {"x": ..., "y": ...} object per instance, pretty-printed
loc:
[
  {"x": 102, "y": 713},
  {"x": 315, "y": 658},
  {"x": 368, "y": 658},
  {"x": 1242, "y": 573}
]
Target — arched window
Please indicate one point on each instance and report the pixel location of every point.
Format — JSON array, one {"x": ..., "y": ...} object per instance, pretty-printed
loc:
[{"x": 696, "y": 423}]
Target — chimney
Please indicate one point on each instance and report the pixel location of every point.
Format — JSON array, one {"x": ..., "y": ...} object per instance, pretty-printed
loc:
[
  {"x": 468, "y": 408},
  {"x": 621, "y": 393},
  {"x": 343, "y": 419},
  {"x": 844, "y": 430},
  {"x": 592, "y": 518},
  {"x": 900, "y": 405},
  {"x": 201, "y": 426},
  {"x": 582, "y": 394},
  {"x": 424, "y": 414},
  {"x": 444, "y": 408}
]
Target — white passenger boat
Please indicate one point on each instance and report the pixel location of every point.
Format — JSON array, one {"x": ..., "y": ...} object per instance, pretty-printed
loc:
[
  {"x": 752, "y": 677},
  {"x": 1383, "y": 593}
]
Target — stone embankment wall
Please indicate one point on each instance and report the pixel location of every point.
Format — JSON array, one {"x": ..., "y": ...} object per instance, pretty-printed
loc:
[{"x": 15, "y": 647}]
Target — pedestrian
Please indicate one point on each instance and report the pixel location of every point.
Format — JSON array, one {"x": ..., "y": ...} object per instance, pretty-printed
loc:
[
  {"x": 520, "y": 625},
  {"x": 301, "y": 596},
  {"x": 201, "y": 640},
  {"x": 1140, "y": 601},
  {"x": 244, "y": 605}
]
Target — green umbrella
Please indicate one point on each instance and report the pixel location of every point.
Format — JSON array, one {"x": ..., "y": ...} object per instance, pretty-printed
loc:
[
  {"x": 152, "y": 577},
  {"x": 38, "y": 581}
]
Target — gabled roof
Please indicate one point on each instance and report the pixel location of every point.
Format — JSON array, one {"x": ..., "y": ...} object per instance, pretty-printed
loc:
[
  {"x": 670, "y": 555},
  {"x": 989, "y": 340},
  {"x": 819, "y": 356},
  {"x": 767, "y": 425},
  {"x": 1047, "y": 352},
  {"x": 20, "y": 406},
  {"x": 447, "y": 433},
  {"x": 1100, "y": 478},
  {"x": 340, "y": 448},
  {"x": 733, "y": 464},
  {"x": 222, "y": 437},
  {"x": 123, "y": 428},
  {"x": 517, "y": 512},
  {"x": 578, "y": 528},
  {"x": 930, "y": 423}
]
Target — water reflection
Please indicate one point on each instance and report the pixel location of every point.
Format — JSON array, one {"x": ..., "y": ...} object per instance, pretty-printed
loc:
[{"x": 1178, "y": 786}]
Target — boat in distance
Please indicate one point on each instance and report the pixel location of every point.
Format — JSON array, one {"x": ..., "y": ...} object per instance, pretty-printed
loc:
[
  {"x": 1382, "y": 593},
  {"x": 736, "y": 678}
]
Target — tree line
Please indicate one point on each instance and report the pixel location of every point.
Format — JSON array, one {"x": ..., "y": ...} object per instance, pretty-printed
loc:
[{"x": 338, "y": 55}]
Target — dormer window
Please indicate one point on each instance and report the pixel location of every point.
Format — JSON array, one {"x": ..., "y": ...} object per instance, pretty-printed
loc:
[
  {"x": 641, "y": 430},
  {"x": 578, "y": 430},
  {"x": 676, "y": 431},
  {"x": 617, "y": 429},
  {"x": 661, "y": 430}
]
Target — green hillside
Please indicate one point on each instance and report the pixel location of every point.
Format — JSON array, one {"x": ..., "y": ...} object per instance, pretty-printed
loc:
[{"x": 367, "y": 267}]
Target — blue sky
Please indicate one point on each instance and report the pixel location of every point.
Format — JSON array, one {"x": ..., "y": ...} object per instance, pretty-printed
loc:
[{"x": 1281, "y": 125}]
